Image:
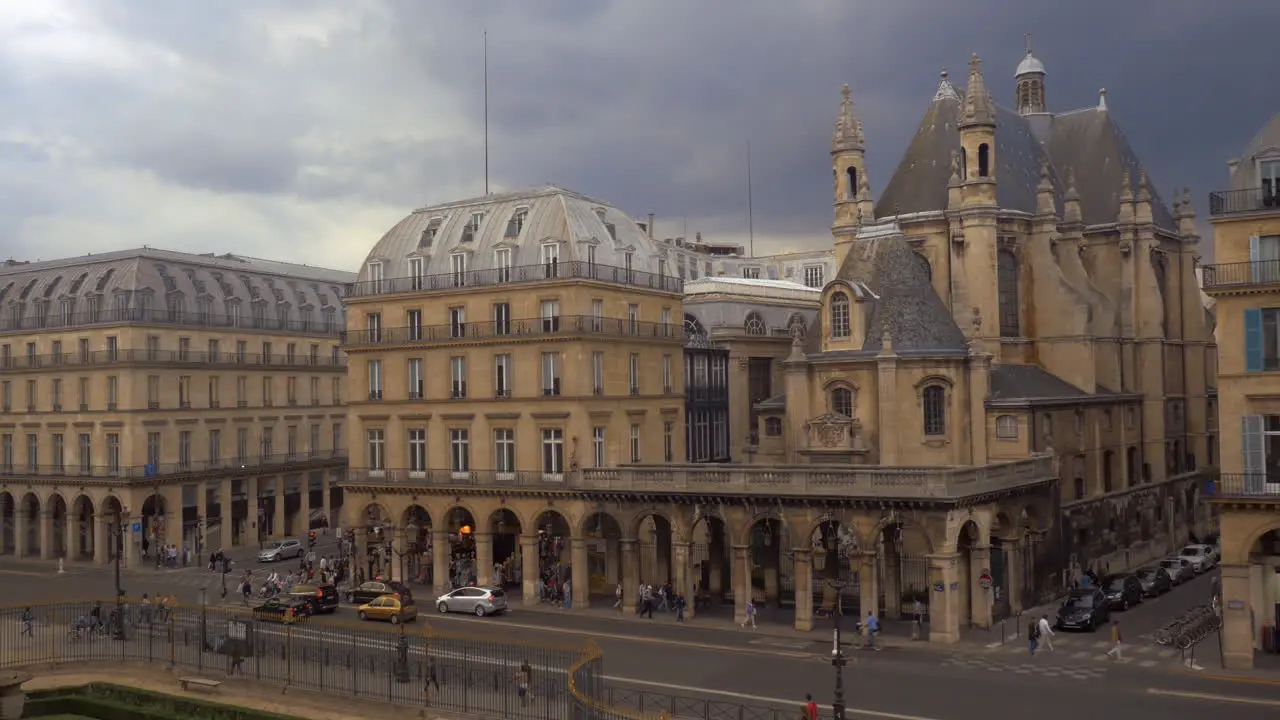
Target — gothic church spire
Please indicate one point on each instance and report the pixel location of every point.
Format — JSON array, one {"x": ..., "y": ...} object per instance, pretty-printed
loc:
[{"x": 979, "y": 108}]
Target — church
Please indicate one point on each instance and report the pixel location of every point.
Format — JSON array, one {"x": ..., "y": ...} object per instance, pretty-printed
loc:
[{"x": 1018, "y": 287}]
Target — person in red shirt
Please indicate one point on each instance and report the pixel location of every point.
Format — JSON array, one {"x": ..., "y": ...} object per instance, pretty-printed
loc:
[{"x": 810, "y": 708}]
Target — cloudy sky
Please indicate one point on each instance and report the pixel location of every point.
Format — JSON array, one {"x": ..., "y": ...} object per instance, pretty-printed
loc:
[{"x": 302, "y": 130}]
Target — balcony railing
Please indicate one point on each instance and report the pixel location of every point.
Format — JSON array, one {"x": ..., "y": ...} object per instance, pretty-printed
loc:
[
  {"x": 1233, "y": 486},
  {"x": 167, "y": 357},
  {"x": 147, "y": 472},
  {"x": 1241, "y": 274},
  {"x": 515, "y": 329},
  {"x": 936, "y": 483},
  {"x": 557, "y": 272},
  {"x": 47, "y": 317},
  {"x": 1230, "y": 202}
]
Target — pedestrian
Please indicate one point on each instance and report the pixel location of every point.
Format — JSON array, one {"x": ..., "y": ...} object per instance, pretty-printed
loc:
[
  {"x": 617, "y": 598},
  {"x": 1116, "y": 639},
  {"x": 810, "y": 708},
  {"x": 524, "y": 679},
  {"x": 680, "y": 604},
  {"x": 568, "y": 594},
  {"x": 433, "y": 683},
  {"x": 1046, "y": 631},
  {"x": 26, "y": 622},
  {"x": 873, "y": 626},
  {"x": 750, "y": 618},
  {"x": 1033, "y": 638}
]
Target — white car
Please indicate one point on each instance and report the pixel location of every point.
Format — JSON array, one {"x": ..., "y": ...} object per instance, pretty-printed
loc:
[
  {"x": 278, "y": 550},
  {"x": 1200, "y": 556}
]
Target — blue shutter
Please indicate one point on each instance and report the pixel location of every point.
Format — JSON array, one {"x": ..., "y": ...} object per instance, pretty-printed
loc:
[
  {"x": 1253, "y": 340},
  {"x": 1255, "y": 258},
  {"x": 1254, "y": 451}
]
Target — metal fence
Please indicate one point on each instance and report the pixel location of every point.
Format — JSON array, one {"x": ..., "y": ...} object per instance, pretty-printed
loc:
[
  {"x": 678, "y": 707},
  {"x": 412, "y": 665}
]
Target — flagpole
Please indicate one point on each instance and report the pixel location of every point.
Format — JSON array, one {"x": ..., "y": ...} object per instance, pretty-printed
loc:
[
  {"x": 751, "y": 225},
  {"x": 486, "y": 112}
]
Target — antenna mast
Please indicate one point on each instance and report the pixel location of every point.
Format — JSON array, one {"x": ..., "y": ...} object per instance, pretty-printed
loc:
[
  {"x": 751, "y": 225},
  {"x": 486, "y": 112}
]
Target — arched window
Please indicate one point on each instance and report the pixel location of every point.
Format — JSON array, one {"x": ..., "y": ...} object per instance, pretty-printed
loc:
[
  {"x": 839, "y": 315},
  {"x": 755, "y": 324},
  {"x": 773, "y": 427},
  {"x": 1007, "y": 427},
  {"x": 1131, "y": 465},
  {"x": 964, "y": 164},
  {"x": 852, "y": 174},
  {"x": 842, "y": 401},
  {"x": 694, "y": 333},
  {"x": 935, "y": 410},
  {"x": 1007, "y": 289},
  {"x": 984, "y": 160}
]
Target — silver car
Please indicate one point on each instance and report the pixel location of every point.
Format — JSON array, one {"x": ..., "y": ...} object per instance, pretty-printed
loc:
[
  {"x": 479, "y": 600},
  {"x": 1180, "y": 569},
  {"x": 280, "y": 550},
  {"x": 1200, "y": 556}
]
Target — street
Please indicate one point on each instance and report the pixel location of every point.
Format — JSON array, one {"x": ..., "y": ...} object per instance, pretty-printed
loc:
[{"x": 649, "y": 661}]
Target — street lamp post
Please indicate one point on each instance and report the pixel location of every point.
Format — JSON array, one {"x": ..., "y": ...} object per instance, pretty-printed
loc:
[
  {"x": 838, "y": 660},
  {"x": 117, "y": 538}
]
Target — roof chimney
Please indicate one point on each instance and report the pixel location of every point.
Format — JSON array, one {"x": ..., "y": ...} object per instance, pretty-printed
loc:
[
  {"x": 650, "y": 226},
  {"x": 698, "y": 236},
  {"x": 1231, "y": 167}
]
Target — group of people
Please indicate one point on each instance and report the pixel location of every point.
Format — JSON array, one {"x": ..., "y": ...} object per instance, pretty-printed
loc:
[{"x": 663, "y": 599}]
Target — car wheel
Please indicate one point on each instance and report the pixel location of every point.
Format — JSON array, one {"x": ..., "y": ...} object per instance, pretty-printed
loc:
[
  {"x": 363, "y": 616},
  {"x": 443, "y": 607},
  {"x": 395, "y": 619},
  {"x": 479, "y": 611}
]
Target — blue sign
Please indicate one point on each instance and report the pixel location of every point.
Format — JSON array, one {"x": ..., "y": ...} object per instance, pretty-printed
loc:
[{"x": 137, "y": 526}]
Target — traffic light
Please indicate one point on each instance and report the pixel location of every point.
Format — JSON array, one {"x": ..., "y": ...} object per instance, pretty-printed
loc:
[{"x": 311, "y": 539}]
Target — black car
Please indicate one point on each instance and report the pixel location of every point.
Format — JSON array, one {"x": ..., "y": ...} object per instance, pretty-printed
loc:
[
  {"x": 277, "y": 609},
  {"x": 1155, "y": 581},
  {"x": 323, "y": 597},
  {"x": 1084, "y": 609},
  {"x": 1122, "y": 591},
  {"x": 374, "y": 589}
]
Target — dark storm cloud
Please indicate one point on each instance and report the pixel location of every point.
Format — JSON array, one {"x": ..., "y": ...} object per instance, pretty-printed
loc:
[{"x": 649, "y": 105}]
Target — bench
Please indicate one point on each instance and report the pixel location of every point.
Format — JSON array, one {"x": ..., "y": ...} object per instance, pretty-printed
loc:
[{"x": 200, "y": 683}]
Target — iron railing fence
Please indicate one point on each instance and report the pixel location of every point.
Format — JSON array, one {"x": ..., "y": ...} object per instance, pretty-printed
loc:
[
  {"x": 1229, "y": 202},
  {"x": 547, "y": 272},
  {"x": 299, "y": 460},
  {"x": 46, "y": 316},
  {"x": 552, "y": 325},
  {"x": 48, "y": 361},
  {"x": 412, "y": 665},
  {"x": 1244, "y": 485},
  {"x": 679, "y": 707}
]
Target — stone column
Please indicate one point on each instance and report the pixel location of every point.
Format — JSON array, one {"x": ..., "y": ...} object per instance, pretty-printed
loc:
[
  {"x": 101, "y": 539},
  {"x": 1012, "y": 588},
  {"x": 326, "y": 499},
  {"x": 804, "y": 589},
  {"x": 630, "y": 574},
  {"x": 529, "y": 568},
  {"x": 484, "y": 558},
  {"x": 979, "y": 597},
  {"x": 277, "y": 517},
  {"x": 682, "y": 580},
  {"x": 70, "y": 537},
  {"x": 251, "y": 529},
  {"x": 131, "y": 541},
  {"x": 944, "y": 589},
  {"x": 770, "y": 563},
  {"x": 580, "y": 574},
  {"x": 202, "y": 520},
  {"x": 715, "y": 566},
  {"x": 741, "y": 578},
  {"x": 868, "y": 584},
  {"x": 439, "y": 561},
  {"x": 20, "y": 520},
  {"x": 892, "y": 580},
  {"x": 662, "y": 558},
  {"x": 226, "y": 537},
  {"x": 1238, "y": 619},
  {"x": 612, "y": 555},
  {"x": 46, "y": 534},
  {"x": 305, "y": 489}
]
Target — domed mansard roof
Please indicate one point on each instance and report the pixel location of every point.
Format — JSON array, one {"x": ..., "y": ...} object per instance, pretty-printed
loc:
[
  {"x": 1265, "y": 144},
  {"x": 522, "y": 222},
  {"x": 163, "y": 286},
  {"x": 1086, "y": 143}
]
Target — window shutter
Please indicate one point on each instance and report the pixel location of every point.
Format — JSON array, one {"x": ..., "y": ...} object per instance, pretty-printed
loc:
[
  {"x": 1255, "y": 454},
  {"x": 1255, "y": 258},
  {"x": 1253, "y": 340}
]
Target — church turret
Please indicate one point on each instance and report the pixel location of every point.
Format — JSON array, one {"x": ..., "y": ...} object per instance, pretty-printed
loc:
[
  {"x": 978, "y": 130},
  {"x": 979, "y": 309},
  {"x": 853, "y": 205},
  {"x": 1030, "y": 84}
]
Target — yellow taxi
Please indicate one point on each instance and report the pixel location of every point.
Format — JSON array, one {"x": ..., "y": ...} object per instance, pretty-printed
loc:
[{"x": 392, "y": 607}]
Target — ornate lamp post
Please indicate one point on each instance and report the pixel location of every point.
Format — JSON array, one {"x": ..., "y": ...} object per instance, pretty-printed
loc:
[
  {"x": 838, "y": 659},
  {"x": 118, "y": 541}
]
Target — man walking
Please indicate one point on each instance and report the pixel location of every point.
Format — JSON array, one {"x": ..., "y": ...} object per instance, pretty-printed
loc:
[
  {"x": 872, "y": 626},
  {"x": 1033, "y": 638},
  {"x": 1116, "y": 639},
  {"x": 750, "y": 619},
  {"x": 810, "y": 707},
  {"x": 1046, "y": 631}
]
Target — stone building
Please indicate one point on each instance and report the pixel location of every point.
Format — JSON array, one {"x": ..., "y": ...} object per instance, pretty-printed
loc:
[
  {"x": 1245, "y": 286},
  {"x": 183, "y": 399},
  {"x": 692, "y": 260}
]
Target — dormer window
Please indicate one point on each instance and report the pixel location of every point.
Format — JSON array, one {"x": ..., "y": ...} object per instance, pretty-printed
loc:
[
  {"x": 259, "y": 315},
  {"x": 612, "y": 230},
  {"x": 174, "y": 307},
  {"x": 472, "y": 227},
  {"x": 429, "y": 234},
  {"x": 67, "y": 311},
  {"x": 375, "y": 277},
  {"x": 204, "y": 310},
  {"x": 144, "y": 307},
  {"x": 516, "y": 224},
  {"x": 1269, "y": 174},
  {"x": 551, "y": 260},
  {"x": 600, "y": 214}
]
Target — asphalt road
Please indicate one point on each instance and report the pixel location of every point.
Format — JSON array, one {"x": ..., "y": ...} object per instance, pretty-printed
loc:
[{"x": 711, "y": 666}]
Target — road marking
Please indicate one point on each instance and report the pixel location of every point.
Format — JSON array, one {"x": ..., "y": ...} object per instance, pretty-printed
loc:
[
  {"x": 757, "y": 698},
  {"x": 1232, "y": 678},
  {"x": 995, "y": 644},
  {"x": 1212, "y": 698},
  {"x": 1147, "y": 663},
  {"x": 636, "y": 638}
]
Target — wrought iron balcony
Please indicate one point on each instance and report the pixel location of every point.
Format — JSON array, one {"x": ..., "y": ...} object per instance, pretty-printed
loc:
[
  {"x": 515, "y": 330},
  {"x": 139, "y": 474},
  {"x": 1241, "y": 274},
  {"x": 1243, "y": 487},
  {"x": 923, "y": 483},
  {"x": 1250, "y": 200},
  {"x": 548, "y": 272},
  {"x": 48, "y": 318},
  {"x": 169, "y": 357}
]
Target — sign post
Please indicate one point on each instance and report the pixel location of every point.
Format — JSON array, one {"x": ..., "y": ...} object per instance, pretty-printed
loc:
[{"x": 985, "y": 580}]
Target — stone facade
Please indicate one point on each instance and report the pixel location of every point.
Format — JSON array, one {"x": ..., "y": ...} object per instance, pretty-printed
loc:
[
  {"x": 185, "y": 395},
  {"x": 1245, "y": 287}
]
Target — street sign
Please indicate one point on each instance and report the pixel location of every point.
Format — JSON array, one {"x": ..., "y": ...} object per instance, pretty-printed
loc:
[
  {"x": 236, "y": 629},
  {"x": 985, "y": 580},
  {"x": 137, "y": 526}
]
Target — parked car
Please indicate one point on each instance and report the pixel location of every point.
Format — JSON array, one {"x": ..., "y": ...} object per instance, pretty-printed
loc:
[
  {"x": 1201, "y": 557},
  {"x": 277, "y": 550},
  {"x": 1179, "y": 569},
  {"x": 392, "y": 608},
  {"x": 1122, "y": 591},
  {"x": 479, "y": 600},
  {"x": 323, "y": 597},
  {"x": 374, "y": 589},
  {"x": 1155, "y": 581},
  {"x": 1084, "y": 609},
  {"x": 283, "y": 608}
]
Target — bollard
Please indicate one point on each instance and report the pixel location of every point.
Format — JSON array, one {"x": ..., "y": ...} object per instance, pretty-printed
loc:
[{"x": 60, "y": 570}]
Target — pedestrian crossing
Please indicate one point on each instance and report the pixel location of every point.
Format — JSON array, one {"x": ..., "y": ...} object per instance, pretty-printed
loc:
[{"x": 1085, "y": 650}]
